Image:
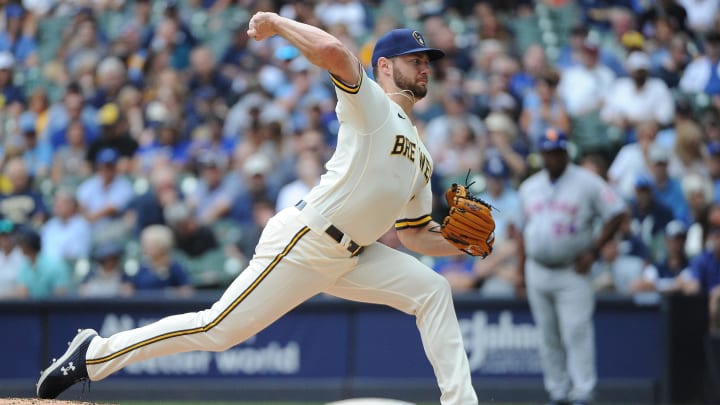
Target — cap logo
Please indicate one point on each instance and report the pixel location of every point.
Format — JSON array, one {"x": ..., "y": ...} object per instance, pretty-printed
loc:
[{"x": 418, "y": 38}]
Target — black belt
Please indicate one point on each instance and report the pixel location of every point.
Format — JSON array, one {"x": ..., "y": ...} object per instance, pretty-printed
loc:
[{"x": 336, "y": 234}]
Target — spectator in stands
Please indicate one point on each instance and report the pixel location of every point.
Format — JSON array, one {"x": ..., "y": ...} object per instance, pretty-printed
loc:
[
  {"x": 637, "y": 98},
  {"x": 111, "y": 76},
  {"x": 42, "y": 275},
  {"x": 12, "y": 260},
  {"x": 235, "y": 61},
  {"x": 308, "y": 168},
  {"x": 441, "y": 34},
  {"x": 625, "y": 265},
  {"x": 166, "y": 146},
  {"x": 212, "y": 199},
  {"x": 700, "y": 75},
  {"x": 649, "y": 216},
  {"x": 71, "y": 109},
  {"x": 631, "y": 160},
  {"x": 14, "y": 98},
  {"x": 701, "y": 14},
  {"x": 543, "y": 108},
  {"x": 675, "y": 262},
  {"x": 667, "y": 188},
  {"x": 503, "y": 141},
  {"x": 158, "y": 270},
  {"x": 37, "y": 153},
  {"x": 713, "y": 165},
  {"x": 689, "y": 152},
  {"x": 114, "y": 135},
  {"x": 104, "y": 197},
  {"x": 670, "y": 61},
  {"x": 18, "y": 36},
  {"x": 705, "y": 268},
  {"x": 66, "y": 234},
  {"x": 437, "y": 130},
  {"x": 141, "y": 23},
  {"x": 82, "y": 43},
  {"x": 205, "y": 73},
  {"x": 349, "y": 13},
  {"x": 106, "y": 277},
  {"x": 534, "y": 65},
  {"x": 583, "y": 85},
  {"x": 70, "y": 166},
  {"x": 39, "y": 107},
  {"x": 191, "y": 238},
  {"x": 174, "y": 40},
  {"x": 147, "y": 208},
  {"x": 461, "y": 152},
  {"x": 698, "y": 192},
  {"x": 130, "y": 102},
  {"x": 256, "y": 184},
  {"x": 24, "y": 205},
  {"x": 308, "y": 140}
]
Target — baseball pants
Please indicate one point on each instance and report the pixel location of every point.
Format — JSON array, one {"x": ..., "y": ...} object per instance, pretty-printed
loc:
[
  {"x": 562, "y": 304},
  {"x": 292, "y": 263}
]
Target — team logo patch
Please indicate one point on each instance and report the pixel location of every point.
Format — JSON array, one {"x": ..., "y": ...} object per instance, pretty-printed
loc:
[{"x": 418, "y": 38}]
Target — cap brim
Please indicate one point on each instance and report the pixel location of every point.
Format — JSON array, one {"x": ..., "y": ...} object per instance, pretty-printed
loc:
[{"x": 432, "y": 53}]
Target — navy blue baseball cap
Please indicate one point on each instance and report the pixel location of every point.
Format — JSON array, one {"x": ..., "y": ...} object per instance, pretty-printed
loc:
[
  {"x": 553, "y": 139},
  {"x": 402, "y": 42}
]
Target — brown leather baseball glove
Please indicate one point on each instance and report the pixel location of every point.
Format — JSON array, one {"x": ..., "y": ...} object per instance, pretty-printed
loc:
[{"x": 469, "y": 225}]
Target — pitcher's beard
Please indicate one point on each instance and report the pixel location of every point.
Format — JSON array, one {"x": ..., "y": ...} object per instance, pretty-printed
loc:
[{"x": 405, "y": 84}]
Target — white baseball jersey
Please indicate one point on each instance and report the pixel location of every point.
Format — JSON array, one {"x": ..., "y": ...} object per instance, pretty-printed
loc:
[
  {"x": 380, "y": 171},
  {"x": 559, "y": 215}
]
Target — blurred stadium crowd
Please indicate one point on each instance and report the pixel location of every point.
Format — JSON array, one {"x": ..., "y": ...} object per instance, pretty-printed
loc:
[{"x": 144, "y": 144}]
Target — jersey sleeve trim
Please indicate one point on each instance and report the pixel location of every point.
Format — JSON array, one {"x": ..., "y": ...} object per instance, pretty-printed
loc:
[
  {"x": 352, "y": 89},
  {"x": 412, "y": 223}
]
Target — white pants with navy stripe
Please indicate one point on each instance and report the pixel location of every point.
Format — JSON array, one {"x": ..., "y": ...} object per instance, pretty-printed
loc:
[
  {"x": 562, "y": 304},
  {"x": 292, "y": 264}
]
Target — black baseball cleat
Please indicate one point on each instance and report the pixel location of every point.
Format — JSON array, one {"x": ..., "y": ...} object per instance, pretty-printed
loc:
[{"x": 68, "y": 369}]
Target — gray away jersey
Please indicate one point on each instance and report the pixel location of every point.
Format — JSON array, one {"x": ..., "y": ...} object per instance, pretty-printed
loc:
[{"x": 559, "y": 217}]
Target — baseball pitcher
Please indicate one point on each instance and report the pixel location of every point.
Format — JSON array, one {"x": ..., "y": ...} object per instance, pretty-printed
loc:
[{"x": 378, "y": 177}]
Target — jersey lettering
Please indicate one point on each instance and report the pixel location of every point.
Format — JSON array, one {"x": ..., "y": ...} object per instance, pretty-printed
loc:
[
  {"x": 425, "y": 167},
  {"x": 407, "y": 148},
  {"x": 404, "y": 147}
]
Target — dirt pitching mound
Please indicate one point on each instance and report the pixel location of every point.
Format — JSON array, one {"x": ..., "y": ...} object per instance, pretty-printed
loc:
[{"x": 35, "y": 401}]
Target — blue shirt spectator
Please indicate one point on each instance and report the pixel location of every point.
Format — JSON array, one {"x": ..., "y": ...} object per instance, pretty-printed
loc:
[
  {"x": 67, "y": 234},
  {"x": 42, "y": 275},
  {"x": 104, "y": 196}
]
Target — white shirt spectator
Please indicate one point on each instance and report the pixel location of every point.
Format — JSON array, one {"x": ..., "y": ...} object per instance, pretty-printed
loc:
[
  {"x": 583, "y": 90},
  {"x": 70, "y": 239},
  {"x": 700, "y": 13},
  {"x": 652, "y": 102},
  {"x": 625, "y": 169},
  {"x": 696, "y": 75},
  {"x": 347, "y": 12}
]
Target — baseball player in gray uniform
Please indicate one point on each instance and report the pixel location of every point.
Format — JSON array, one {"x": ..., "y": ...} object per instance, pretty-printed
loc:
[
  {"x": 379, "y": 177},
  {"x": 561, "y": 206}
]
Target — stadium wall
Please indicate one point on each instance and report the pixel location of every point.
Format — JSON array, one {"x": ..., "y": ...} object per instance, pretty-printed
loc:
[{"x": 650, "y": 349}]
